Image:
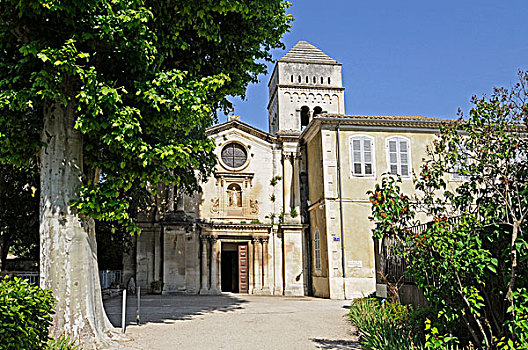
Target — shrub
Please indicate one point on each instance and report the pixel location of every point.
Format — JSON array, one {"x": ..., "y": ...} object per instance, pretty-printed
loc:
[
  {"x": 25, "y": 315},
  {"x": 382, "y": 325},
  {"x": 63, "y": 342}
]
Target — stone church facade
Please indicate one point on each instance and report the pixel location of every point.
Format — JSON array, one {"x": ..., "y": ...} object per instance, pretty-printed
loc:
[{"x": 286, "y": 211}]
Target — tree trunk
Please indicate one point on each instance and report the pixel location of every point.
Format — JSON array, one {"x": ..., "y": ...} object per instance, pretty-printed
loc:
[
  {"x": 5, "y": 244},
  {"x": 68, "y": 251}
]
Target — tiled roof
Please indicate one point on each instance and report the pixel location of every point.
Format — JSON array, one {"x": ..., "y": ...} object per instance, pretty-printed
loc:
[
  {"x": 382, "y": 121},
  {"x": 304, "y": 52},
  {"x": 418, "y": 118}
]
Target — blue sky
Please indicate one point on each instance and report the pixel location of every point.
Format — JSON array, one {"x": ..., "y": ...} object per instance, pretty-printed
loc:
[{"x": 407, "y": 57}]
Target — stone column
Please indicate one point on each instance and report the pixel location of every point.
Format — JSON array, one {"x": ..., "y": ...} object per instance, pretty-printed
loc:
[
  {"x": 250, "y": 268},
  {"x": 296, "y": 189},
  {"x": 215, "y": 288},
  {"x": 287, "y": 183},
  {"x": 257, "y": 255},
  {"x": 265, "y": 283},
  {"x": 205, "y": 266}
]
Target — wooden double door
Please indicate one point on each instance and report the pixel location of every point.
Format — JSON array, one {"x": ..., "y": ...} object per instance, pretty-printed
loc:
[{"x": 235, "y": 267}]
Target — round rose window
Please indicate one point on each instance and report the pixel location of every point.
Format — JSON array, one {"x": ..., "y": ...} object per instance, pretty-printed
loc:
[{"x": 234, "y": 155}]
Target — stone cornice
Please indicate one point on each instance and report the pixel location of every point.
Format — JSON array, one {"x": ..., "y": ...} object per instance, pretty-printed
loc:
[
  {"x": 233, "y": 227},
  {"x": 243, "y": 127}
]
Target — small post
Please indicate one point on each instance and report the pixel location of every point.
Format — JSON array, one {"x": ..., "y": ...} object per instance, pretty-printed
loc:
[
  {"x": 123, "y": 313},
  {"x": 138, "y": 305}
]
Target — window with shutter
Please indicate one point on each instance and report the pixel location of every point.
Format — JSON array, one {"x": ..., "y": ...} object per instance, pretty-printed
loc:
[
  {"x": 362, "y": 156},
  {"x": 398, "y": 156}
]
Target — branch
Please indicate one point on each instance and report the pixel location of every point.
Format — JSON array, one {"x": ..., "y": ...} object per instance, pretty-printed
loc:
[{"x": 481, "y": 328}]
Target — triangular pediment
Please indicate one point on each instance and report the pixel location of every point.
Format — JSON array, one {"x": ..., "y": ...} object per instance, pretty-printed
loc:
[{"x": 243, "y": 127}]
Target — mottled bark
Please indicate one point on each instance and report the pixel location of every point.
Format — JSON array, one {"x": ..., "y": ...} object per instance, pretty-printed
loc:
[{"x": 68, "y": 251}]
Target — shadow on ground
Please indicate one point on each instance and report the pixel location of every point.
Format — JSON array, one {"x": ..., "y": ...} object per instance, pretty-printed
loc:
[
  {"x": 169, "y": 308},
  {"x": 330, "y": 344}
]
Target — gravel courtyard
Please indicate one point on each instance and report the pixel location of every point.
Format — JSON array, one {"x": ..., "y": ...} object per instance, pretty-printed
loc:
[{"x": 235, "y": 321}]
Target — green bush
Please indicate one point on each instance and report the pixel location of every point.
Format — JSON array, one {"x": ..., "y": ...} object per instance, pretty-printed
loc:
[
  {"x": 64, "y": 342},
  {"x": 383, "y": 325},
  {"x": 25, "y": 315},
  {"x": 392, "y": 326}
]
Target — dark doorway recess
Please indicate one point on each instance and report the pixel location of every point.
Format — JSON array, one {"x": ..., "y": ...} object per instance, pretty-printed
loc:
[
  {"x": 234, "y": 267},
  {"x": 229, "y": 271}
]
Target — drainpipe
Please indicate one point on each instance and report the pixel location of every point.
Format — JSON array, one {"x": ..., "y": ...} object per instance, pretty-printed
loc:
[{"x": 340, "y": 208}]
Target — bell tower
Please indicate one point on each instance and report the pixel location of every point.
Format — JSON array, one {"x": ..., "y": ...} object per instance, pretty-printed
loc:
[{"x": 304, "y": 83}]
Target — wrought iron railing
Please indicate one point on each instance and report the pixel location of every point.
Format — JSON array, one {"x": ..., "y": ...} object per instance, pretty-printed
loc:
[{"x": 107, "y": 278}]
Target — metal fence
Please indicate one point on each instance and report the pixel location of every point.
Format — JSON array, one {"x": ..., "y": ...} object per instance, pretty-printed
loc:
[
  {"x": 392, "y": 263},
  {"x": 110, "y": 278},
  {"x": 32, "y": 277},
  {"x": 107, "y": 278}
]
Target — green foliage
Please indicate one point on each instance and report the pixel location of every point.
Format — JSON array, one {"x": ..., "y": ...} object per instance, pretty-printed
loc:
[
  {"x": 383, "y": 326},
  {"x": 275, "y": 180},
  {"x": 25, "y": 315},
  {"x": 471, "y": 260},
  {"x": 63, "y": 342},
  {"x": 271, "y": 217},
  {"x": 293, "y": 213},
  {"x": 143, "y": 82},
  {"x": 255, "y": 222}
]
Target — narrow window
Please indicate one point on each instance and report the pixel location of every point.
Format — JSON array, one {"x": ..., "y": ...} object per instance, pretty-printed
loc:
[
  {"x": 362, "y": 156},
  {"x": 314, "y": 80},
  {"x": 305, "y": 116},
  {"x": 398, "y": 153},
  {"x": 306, "y": 79},
  {"x": 328, "y": 80},
  {"x": 321, "y": 80},
  {"x": 299, "y": 78},
  {"x": 292, "y": 78},
  {"x": 317, "y": 250}
]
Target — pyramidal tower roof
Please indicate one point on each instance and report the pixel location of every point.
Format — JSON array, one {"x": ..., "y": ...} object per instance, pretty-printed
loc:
[{"x": 304, "y": 52}]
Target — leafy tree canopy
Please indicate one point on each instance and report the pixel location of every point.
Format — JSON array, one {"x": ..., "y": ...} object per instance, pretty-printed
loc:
[
  {"x": 471, "y": 257},
  {"x": 144, "y": 80}
]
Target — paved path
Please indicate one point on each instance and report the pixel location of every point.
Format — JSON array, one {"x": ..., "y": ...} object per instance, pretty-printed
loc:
[{"x": 235, "y": 321}]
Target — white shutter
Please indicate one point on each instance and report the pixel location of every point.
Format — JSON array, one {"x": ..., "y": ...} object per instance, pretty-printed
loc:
[
  {"x": 393, "y": 157},
  {"x": 367, "y": 156},
  {"x": 398, "y": 156},
  {"x": 362, "y": 156},
  {"x": 404, "y": 158},
  {"x": 357, "y": 166}
]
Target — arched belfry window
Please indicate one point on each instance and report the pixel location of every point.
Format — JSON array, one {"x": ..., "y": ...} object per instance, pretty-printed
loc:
[
  {"x": 305, "y": 116},
  {"x": 317, "y": 110},
  {"x": 234, "y": 196},
  {"x": 234, "y": 155}
]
